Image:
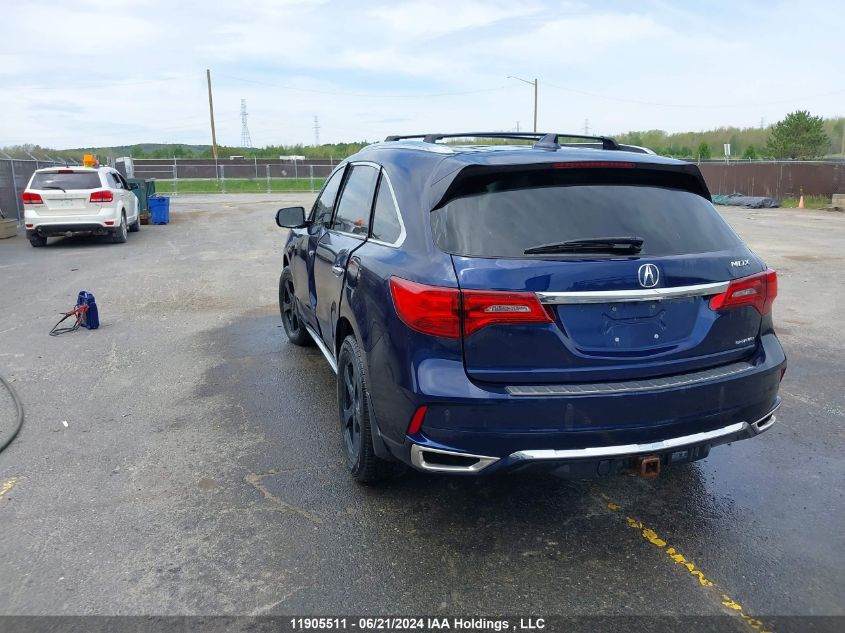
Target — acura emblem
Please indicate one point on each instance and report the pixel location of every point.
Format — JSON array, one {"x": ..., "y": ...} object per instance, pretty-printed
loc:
[{"x": 649, "y": 275}]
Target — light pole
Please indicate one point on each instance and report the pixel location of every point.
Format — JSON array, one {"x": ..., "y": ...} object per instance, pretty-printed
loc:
[{"x": 530, "y": 83}]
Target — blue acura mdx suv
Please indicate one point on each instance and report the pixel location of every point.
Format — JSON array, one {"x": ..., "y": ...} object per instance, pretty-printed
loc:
[{"x": 554, "y": 303}]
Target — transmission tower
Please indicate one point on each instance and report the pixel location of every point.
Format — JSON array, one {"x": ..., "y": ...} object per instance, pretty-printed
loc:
[
  {"x": 316, "y": 131},
  {"x": 246, "y": 141}
]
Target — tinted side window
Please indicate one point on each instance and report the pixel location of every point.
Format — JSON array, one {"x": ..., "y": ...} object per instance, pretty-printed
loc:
[
  {"x": 353, "y": 210},
  {"x": 322, "y": 211},
  {"x": 386, "y": 226}
]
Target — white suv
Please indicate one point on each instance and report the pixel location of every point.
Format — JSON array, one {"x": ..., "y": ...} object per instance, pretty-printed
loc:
[{"x": 69, "y": 200}]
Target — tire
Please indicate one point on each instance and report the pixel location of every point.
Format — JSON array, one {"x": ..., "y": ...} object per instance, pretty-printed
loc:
[
  {"x": 136, "y": 225},
  {"x": 355, "y": 414},
  {"x": 38, "y": 240},
  {"x": 294, "y": 327},
  {"x": 118, "y": 236}
]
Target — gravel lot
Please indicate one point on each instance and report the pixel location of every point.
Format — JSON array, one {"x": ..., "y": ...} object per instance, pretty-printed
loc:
[{"x": 200, "y": 470}]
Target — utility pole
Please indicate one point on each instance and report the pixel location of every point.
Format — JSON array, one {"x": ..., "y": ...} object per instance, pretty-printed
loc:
[
  {"x": 530, "y": 83},
  {"x": 316, "y": 131},
  {"x": 211, "y": 114},
  {"x": 586, "y": 126}
]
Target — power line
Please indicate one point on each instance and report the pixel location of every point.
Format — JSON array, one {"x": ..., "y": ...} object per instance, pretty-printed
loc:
[{"x": 373, "y": 95}]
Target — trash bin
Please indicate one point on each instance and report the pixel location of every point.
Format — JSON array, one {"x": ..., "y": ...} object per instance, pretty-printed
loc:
[{"x": 159, "y": 209}]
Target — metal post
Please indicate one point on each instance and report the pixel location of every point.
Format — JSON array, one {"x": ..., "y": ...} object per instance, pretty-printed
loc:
[
  {"x": 268, "y": 177},
  {"x": 222, "y": 178},
  {"x": 255, "y": 161},
  {"x": 311, "y": 176},
  {"x": 15, "y": 190},
  {"x": 175, "y": 177},
  {"x": 535, "y": 104},
  {"x": 295, "y": 170}
]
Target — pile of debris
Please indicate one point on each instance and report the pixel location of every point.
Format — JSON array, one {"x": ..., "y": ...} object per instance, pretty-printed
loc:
[{"x": 749, "y": 202}]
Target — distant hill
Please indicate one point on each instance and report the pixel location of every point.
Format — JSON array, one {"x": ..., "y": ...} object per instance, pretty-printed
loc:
[{"x": 745, "y": 143}]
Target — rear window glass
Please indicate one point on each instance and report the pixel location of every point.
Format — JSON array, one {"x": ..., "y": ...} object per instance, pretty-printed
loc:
[
  {"x": 504, "y": 223},
  {"x": 75, "y": 180}
]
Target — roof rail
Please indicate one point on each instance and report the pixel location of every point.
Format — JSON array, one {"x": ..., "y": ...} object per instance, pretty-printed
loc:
[
  {"x": 544, "y": 140},
  {"x": 433, "y": 138}
]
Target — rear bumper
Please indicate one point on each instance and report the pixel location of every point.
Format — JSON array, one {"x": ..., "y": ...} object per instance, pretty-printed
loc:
[
  {"x": 64, "y": 228},
  {"x": 590, "y": 462},
  {"x": 596, "y": 432},
  {"x": 42, "y": 222}
]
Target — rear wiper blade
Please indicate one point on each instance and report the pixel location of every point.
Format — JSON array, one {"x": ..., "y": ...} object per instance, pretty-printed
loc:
[
  {"x": 53, "y": 187},
  {"x": 590, "y": 245}
]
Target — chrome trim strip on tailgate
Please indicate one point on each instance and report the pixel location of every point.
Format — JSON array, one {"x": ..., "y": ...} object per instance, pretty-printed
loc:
[
  {"x": 630, "y": 449},
  {"x": 639, "y": 294},
  {"x": 629, "y": 386}
]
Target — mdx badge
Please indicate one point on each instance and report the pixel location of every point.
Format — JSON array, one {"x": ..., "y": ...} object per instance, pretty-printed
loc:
[
  {"x": 739, "y": 262},
  {"x": 649, "y": 275}
]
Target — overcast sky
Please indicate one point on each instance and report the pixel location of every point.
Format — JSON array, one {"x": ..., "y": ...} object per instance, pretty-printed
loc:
[{"x": 91, "y": 73}]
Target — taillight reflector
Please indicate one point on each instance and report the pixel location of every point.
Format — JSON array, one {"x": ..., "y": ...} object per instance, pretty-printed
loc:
[
  {"x": 101, "y": 196},
  {"x": 757, "y": 290},
  {"x": 31, "y": 198},
  {"x": 417, "y": 420},
  {"x": 440, "y": 311}
]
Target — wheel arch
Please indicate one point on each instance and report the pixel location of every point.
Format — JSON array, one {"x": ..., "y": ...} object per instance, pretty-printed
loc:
[{"x": 347, "y": 326}]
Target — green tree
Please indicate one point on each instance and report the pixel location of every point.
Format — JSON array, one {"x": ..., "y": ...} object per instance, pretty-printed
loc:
[
  {"x": 750, "y": 153},
  {"x": 703, "y": 150},
  {"x": 799, "y": 136}
]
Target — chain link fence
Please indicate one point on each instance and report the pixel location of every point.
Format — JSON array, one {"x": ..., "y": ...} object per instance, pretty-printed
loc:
[
  {"x": 14, "y": 176},
  {"x": 185, "y": 176}
]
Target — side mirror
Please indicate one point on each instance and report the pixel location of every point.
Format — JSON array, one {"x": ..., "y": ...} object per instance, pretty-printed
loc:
[
  {"x": 291, "y": 217},
  {"x": 133, "y": 186}
]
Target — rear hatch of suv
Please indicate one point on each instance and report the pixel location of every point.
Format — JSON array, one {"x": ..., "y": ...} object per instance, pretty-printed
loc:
[
  {"x": 605, "y": 271},
  {"x": 66, "y": 191}
]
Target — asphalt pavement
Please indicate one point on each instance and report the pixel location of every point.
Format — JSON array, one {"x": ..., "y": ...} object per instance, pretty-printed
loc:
[{"x": 184, "y": 459}]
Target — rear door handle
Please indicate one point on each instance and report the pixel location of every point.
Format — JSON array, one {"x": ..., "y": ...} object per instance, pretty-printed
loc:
[{"x": 337, "y": 270}]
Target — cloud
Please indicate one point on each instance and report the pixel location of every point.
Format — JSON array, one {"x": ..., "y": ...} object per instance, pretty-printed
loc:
[{"x": 387, "y": 66}]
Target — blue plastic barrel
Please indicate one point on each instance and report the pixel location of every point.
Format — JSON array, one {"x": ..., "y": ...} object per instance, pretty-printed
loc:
[{"x": 159, "y": 209}]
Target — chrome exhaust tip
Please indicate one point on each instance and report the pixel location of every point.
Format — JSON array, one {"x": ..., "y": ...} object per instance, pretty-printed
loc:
[
  {"x": 767, "y": 421},
  {"x": 764, "y": 425},
  {"x": 440, "y": 461}
]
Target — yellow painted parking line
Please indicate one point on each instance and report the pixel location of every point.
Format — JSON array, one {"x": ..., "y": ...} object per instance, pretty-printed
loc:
[
  {"x": 7, "y": 485},
  {"x": 682, "y": 561}
]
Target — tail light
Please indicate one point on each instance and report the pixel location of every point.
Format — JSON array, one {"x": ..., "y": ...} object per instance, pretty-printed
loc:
[
  {"x": 448, "y": 312},
  {"x": 427, "y": 309},
  {"x": 757, "y": 290},
  {"x": 31, "y": 198},
  {"x": 101, "y": 196},
  {"x": 483, "y": 308}
]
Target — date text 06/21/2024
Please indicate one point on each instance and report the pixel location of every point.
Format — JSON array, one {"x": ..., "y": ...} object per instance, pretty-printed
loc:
[{"x": 417, "y": 623}]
